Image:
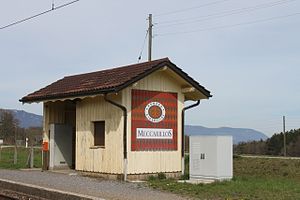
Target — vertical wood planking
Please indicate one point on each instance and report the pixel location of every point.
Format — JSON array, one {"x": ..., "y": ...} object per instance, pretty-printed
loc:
[
  {"x": 154, "y": 161},
  {"x": 104, "y": 160}
]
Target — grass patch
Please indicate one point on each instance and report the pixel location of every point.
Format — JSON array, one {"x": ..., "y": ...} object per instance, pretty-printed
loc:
[
  {"x": 267, "y": 168},
  {"x": 7, "y": 158},
  {"x": 254, "y": 178}
]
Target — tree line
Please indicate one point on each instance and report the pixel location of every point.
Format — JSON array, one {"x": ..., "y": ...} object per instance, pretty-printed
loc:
[
  {"x": 11, "y": 132},
  {"x": 273, "y": 145}
]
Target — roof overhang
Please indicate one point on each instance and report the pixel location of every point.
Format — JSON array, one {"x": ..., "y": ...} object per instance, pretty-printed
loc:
[{"x": 190, "y": 88}]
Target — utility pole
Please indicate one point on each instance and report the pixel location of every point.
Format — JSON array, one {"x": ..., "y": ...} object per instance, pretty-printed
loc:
[
  {"x": 150, "y": 38},
  {"x": 284, "y": 137}
]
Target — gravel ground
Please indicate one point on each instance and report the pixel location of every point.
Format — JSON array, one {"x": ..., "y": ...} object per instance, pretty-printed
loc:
[{"x": 106, "y": 189}]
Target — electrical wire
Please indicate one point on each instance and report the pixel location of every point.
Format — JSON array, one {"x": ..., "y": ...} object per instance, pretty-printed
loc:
[
  {"x": 230, "y": 26},
  {"x": 37, "y": 15},
  {"x": 143, "y": 46},
  {"x": 223, "y": 14},
  {"x": 191, "y": 8},
  {"x": 229, "y": 11}
]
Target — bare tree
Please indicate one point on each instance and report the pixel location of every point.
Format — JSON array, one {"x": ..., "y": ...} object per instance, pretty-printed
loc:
[{"x": 8, "y": 126}]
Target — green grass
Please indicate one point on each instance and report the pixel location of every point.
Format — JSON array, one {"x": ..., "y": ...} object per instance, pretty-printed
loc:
[
  {"x": 7, "y": 158},
  {"x": 268, "y": 168},
  {"x": 254, "y": 178}
]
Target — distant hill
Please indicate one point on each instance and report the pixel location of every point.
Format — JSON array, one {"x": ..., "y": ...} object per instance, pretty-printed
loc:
[
  {"x": 26, "y": 119},
  {"x": 238, "y": 134}
]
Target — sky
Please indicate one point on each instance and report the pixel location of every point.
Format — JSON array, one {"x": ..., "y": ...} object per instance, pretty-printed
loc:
[{"x": 247, "y": 53}]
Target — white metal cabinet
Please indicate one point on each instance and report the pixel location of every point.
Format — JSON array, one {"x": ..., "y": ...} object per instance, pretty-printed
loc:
[{"x": 211, "y": 157}]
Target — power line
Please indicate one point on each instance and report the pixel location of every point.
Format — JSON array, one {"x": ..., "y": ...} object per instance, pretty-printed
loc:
[
  {"x": 270, "y": 4},
  {"x": 191, "y": 8},
  {"x": 143, "y": 46},
  {"x": 222, "y": 14},
  {"x": 37, "y": 15},
  {"x": 230, "y": 26}
]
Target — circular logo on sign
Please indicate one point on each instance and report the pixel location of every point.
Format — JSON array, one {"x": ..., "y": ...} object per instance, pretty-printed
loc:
[{"x": 155, "y": 112}]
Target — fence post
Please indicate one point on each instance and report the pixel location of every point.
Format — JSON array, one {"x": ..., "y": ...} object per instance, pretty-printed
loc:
[
  {"x": 31, "y": 157},
  {"x": 0, "y": 151},
  {"x": 15, "y": 155}
]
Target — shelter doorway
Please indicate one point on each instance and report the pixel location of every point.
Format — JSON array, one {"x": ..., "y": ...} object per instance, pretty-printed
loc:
[{"x": 62, "y": 139}]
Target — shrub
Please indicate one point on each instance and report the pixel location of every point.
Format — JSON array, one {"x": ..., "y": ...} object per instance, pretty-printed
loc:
[
  {"x": 151, "y": 178},
  {"x": 161, "y": 176}
]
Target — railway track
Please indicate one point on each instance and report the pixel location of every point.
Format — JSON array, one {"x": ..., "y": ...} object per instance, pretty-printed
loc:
[
  {"x": 3, "y": 197},
  {"x": 12, "y": 195}
]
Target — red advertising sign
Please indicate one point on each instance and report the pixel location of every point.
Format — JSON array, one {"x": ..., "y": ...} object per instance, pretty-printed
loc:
[{"x": 153, "y": 121}]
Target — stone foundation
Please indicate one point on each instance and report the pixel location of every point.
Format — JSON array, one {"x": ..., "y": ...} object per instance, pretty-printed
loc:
[{"x": 130, "y": 177}]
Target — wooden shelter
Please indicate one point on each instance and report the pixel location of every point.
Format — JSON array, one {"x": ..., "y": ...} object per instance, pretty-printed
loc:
[{"x": 125, "y": 121}]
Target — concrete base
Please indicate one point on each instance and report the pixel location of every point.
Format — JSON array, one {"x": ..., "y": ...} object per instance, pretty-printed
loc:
[
  {"x": 102, "y": 175},
  {"x": 130, "y": 177},
  {"x": 215, "y": 178},
  {"x": 60, "y": 168},
  {"x": 198, "y": 181},
  {"x": 175, "y": 175}
]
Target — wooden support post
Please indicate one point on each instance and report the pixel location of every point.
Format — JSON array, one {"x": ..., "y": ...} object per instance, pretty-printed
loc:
[
  {"x": 45, "y": 153},
  {"x": 45, "y": 160}
]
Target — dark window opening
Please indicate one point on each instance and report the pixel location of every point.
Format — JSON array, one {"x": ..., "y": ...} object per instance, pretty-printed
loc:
[
  {"x": 202, "y": 156},
  {"x": 99, "y": 133}
]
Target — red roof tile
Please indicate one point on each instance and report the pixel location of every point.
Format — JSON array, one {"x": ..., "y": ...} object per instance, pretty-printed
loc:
[{"x": 105, "y": 81}]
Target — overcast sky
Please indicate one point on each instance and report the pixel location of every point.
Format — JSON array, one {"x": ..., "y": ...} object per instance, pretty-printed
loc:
[{"x": 252, "y": 70}]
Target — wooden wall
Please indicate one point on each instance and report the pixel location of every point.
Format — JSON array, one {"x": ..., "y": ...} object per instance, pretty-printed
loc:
[
  {"x": 88, "y": 158},
  {"x": 154, "y": 161}
]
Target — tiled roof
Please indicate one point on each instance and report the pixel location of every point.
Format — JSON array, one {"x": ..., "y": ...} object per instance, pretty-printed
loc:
[{"x": 105, "y": 81}]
